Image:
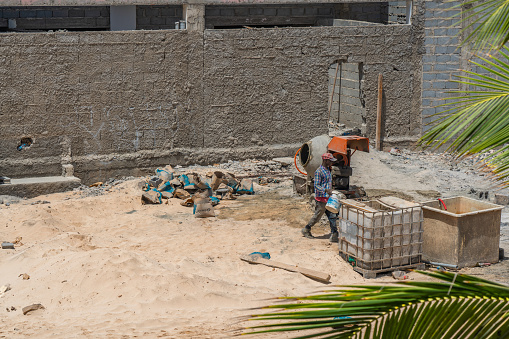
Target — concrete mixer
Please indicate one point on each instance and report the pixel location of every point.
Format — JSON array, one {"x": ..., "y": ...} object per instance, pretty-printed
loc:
[{"x": 342, "y": 148}]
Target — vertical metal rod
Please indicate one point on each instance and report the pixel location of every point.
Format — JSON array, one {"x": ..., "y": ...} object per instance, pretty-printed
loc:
[
  {"x": 379, "y": 115},
  {"x": 332, "y": 93},
  {"x": 339, "y": 90}
]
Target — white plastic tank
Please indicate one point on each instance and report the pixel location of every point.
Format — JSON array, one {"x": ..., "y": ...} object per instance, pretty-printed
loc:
[{"x": 310, "y": 155}]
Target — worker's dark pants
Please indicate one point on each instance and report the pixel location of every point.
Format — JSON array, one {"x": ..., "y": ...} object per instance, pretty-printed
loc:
[{"x": 319, "y": 211}]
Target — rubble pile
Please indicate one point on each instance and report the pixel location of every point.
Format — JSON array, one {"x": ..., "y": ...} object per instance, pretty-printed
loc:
[
  {"x": 248, "y": 167},
  {"x": 100, "y": 188},
  {"x": 454, "y": 175},
  {"x": 195, "y": 190}
]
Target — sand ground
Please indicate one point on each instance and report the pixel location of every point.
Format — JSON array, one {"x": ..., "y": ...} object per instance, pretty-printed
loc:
[{"x": 109, "y": 267}]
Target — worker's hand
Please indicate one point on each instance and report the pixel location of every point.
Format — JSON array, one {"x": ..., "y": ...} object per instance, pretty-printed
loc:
[{"x": 329, "y": 192}]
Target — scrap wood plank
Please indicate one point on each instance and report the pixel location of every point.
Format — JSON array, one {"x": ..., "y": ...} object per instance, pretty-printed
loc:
[{"x": 254, "y": 259}]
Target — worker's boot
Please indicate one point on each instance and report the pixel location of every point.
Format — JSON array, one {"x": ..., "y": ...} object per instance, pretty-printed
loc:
[
  {"x": 334, "y": 237},
  {"x": 307, "y": 233}
]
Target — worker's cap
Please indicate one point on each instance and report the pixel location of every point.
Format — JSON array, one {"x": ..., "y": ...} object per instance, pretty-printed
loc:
[{"x": 328, "y": 156}]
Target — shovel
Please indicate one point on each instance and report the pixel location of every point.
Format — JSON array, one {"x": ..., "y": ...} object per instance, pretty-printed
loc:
[{"x": 257, "y": 259}]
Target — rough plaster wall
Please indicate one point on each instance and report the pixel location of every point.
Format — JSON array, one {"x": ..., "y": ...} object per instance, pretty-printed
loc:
[
  {"x": 108, "y": 93},
  {"x": 118, "y": 103},
  {"x": 277, "y": 79}
]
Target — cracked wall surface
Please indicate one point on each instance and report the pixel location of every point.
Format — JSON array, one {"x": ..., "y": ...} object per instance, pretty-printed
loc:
[{"x": 122, "y": 103}]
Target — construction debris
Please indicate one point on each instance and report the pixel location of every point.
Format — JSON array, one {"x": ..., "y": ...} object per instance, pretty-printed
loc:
[
  {"x": 25, "y": 276},
  {"x": 399, "y": 275},
  {"x": 501, "y": 199},
  {"x": 202, "y": 192},
  {"x": 4, "y": 289},
  {"x": 7, "y": 245},
  {"x": 31, "y": 308},
  {"x": 258, "y": 259}
]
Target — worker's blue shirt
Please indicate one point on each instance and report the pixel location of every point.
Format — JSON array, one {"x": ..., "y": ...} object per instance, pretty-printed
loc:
[{"x": 323, "y": 181}]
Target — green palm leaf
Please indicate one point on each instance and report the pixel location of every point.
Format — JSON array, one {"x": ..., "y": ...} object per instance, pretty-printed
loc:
[
  {"x": 460, "y": 306},
  {"x": 486, "y": 24},
  {"x": 477, "y": 119}
]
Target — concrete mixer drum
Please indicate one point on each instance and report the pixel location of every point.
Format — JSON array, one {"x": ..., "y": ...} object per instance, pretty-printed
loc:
[{"x": 310, "y": 156}]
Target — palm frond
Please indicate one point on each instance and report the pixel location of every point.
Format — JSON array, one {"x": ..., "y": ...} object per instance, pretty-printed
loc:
[
  {"x": 486, "y": 24},
  {"x": 476, "y": 119},
  {"x": 460, "y": 306}
]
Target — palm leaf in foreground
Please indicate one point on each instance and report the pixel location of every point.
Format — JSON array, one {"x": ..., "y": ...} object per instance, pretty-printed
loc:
[
  {"x": 478, "y": 120},
  {"x": 461, "y": 306},
  {"x": 485, "y": 23}
]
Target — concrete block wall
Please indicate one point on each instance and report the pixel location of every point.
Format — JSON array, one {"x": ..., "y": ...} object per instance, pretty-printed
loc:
[
  {"x": 443, "y": 57},
  {"x": 157, "y": 17},
  {"x": 292, "y": 15},
  {"x": 347, "y": 107},
  {"x": 369, "y": 11},
  {"x": 122, "y": 103},
  {"x": 397, "y": 12},
  {"x": 269, "y": 15},
  {"x": 53, "y": 18}
]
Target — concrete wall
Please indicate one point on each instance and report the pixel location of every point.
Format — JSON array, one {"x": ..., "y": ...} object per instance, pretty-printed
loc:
[
  {"x": 293, "y": 15},
  {"x": 163, "y": 2},
  {"x": 443, "y": 58},
  {"x": 157, "y": 17},
  {"x": 46, "y": 18},
  {"x": 348, "y": 100},
  {"x": 119, "y": 103}
]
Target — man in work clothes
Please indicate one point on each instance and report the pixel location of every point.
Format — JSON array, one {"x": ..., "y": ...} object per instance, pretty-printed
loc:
[{"x": 323, "y": 189}]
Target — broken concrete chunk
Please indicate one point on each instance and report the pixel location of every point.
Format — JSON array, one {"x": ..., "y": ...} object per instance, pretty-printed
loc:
[
  {"x": 31, "y": 308},
  {"x": 181, "y": 194},
  {"x": 151, "y": 197},
  {"x": 399, "y": 275},
  {"x": 167, "y": 195},
  {"x": 188, "y": 202},
  {"x": 25, "y": 276},
  {"x": 155, "y": 182},
  {"x": 176, "y": 182},
  {"x": 4, "y": 289},
  {"x": 164, "y": 174},
  {"x": 7, "y": 245}
]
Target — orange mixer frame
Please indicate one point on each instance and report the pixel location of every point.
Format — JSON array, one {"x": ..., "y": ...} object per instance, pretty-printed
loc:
[{"x": 341, "y": 147}]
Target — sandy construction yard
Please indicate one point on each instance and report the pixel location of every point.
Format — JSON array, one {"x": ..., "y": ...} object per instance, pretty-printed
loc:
[{"x": 107, "y": 266}]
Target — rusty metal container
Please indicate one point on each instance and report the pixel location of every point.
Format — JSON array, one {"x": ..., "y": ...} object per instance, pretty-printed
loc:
[
  {"x": 376, "y": 238},
  {"x": 465, "y": 234}
]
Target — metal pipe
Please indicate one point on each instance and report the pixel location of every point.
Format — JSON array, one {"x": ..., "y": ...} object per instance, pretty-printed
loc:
[{"x": 439, "y": 264}]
